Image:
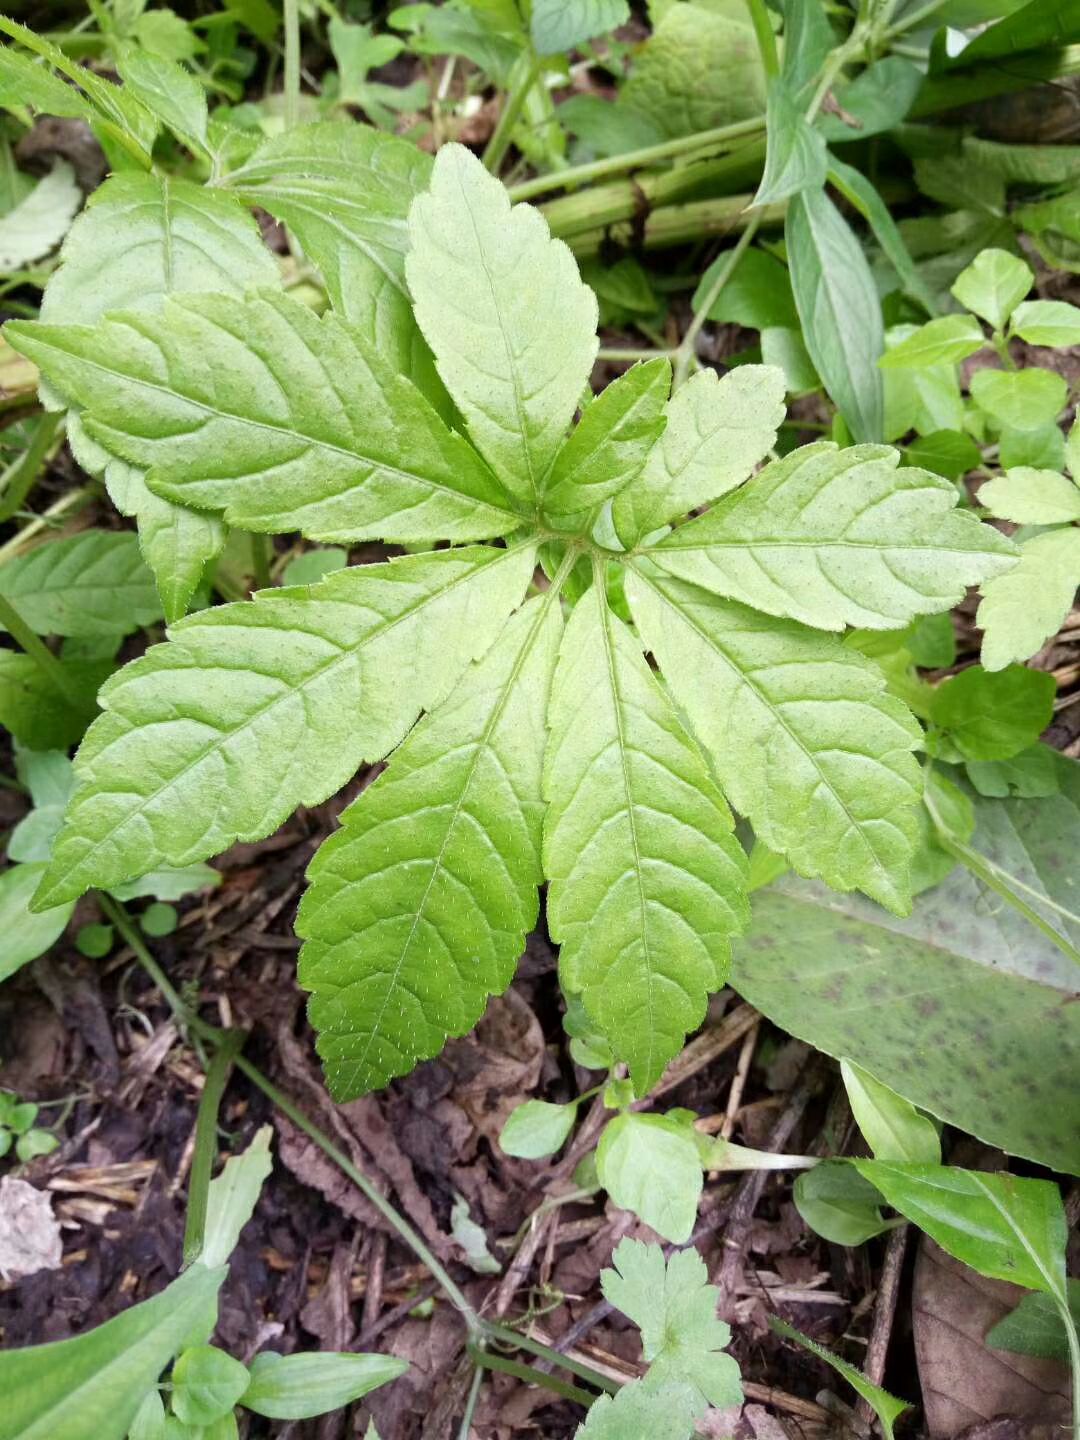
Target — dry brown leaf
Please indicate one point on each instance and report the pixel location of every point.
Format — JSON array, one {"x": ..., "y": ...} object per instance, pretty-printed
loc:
[{"x": 29, "y": 1231}]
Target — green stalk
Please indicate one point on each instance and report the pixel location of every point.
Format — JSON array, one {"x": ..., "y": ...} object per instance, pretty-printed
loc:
[
  {"x": 206, "y": 1122},
  {"x": 470, "y": 1404},
  {"x": 534, "y": 1377},
  {"x": 20, "y": 475},
  {"x": 680, "y": 224},
  {"x": 685, "y": 352},
  {"x": 766, "y": 39},
  {"x": 260, "y": 560},
  {"x": 39, "y": 652},
  {"x": 508, "y": 1336},
  {"x": 292, "y": 63},
  {"x": 499, "y": 143},
  {"x": 1074, "y": 1356}
]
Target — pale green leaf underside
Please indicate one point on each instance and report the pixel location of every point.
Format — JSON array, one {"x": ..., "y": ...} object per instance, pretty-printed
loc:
[
  {"x": 561, "y": 24},
  {"x": 39, "y": 222},
  {"x": 717, "y": 431},
  {"x": 803, "y": 738},
  {"x": 839, "y": 537},
  {"x": 419, "y": 906},
  {"x": 93, "y": 583},
  {"x": 1031, "y": 497},
  {"x": 647, "y": 882},
  {"x": 1019, "y": 611},
  {"x": 277, "y": 417},
  {"x": 254, "y": 708},
  {"x": 502, "y": 305}
]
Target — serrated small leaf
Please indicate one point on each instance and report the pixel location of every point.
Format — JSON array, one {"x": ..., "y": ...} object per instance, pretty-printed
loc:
[
  {"x": 717, "y": 430},
  {"x": 838, "y": 537},
  {"x": 664, "y": 1412},
  {"x": 1020, "y": 611},
  {"x": 168, "y": 91},
  {"x": 647, "y": 881},
  {"x": 802, "y": 736},
  {"x": 253, "y": 708},
  {"x": 419, "y": 905},
  {"x": 1030, "y": 497},
  {"x": 25, "y": 82},
  {"x": 502, "y": 306},
  {"x": 92, "y": 583}
]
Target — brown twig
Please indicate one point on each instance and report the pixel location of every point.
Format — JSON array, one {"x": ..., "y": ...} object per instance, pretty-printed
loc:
[
  {"x": 877, "y": 1350},
  {"x": 373, "y": 1290},
  {"x": 738, "y": 1081}
]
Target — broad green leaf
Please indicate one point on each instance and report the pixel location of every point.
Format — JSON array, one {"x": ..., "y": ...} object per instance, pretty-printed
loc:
[
  {"x": 671, "y": 1302},
  {"x": 1029, "y": 496},
  {"x": 665, "y": 1412},
  {"x": 1022, "y": 399},
  {"x": 646, "y": 879},
  {"x": 947, "y": 452},
  {"x": 34, "y": 711},
  {"x": 502, "y": 306},
  {"x": 944, "y": 341},
  {"x": 254, "y": 708},
  {"x": 839, "y": 1205},
  {"x": 49, "y": 776},
  {"x": 876, "y": 100},
  {"x": 294, "y": 427},
  {"x": 1038, "y": 24},
  {"x": 786, "y": 349},
  {"x": 886, "y": 1407},
  {"x": 149, "y": 1422},
  {"x": 993, "y": 285},
  {"x": 1043, "y": 448},
  {"x": 206, "y": 1384},
  {"x": 839, "y": 309},
  {"x": 861, "y": 193},
  {"x": 1047, "y": 322},
  {"x": 838, "y": 537},
  {"x": 1002, "y": 1226},
  {"x": 37, "y": 224},
  {"x": 168, "y": 883},
  {"x": 1036, "y": 1327},
  {"x": 609, "y": 447},
  {"x": 803, "y": 737},
  {"x": 92, "y": 583},
  {"x": 891, "y": 1125},
  {"x": 168, "y": 91},
  {"x": 1020, "y": 611},
  {"x": 558, "y": 25},
  {"x": 717, "y": 431},
  {"x": 232, "y": 1197},
  {"x": 27, "y": 934},
  {"x": 757, "y": 293},
  {"x": 91, "y": 1387},
  {"x": 297, "y": 1387},
  {"x": 970, "y": 1004},
  {"x": 650, "y": 1164},
  {"x": 1029, "y": 774},
  {"x": 419, "y": 905},
  {"x": 26, "y": 82},
  {"x": 344, "y": 190},
  {"x": 143, "y": 237},
  {"x": 796, "y": 158},
  {"x": 808, "y": 38},
  {"x": 993, "y": 715},
  {"x": 537, "y": 1128}
]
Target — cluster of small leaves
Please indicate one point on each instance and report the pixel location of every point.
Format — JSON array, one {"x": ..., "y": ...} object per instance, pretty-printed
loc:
[{"x": 19, "y": 1132}]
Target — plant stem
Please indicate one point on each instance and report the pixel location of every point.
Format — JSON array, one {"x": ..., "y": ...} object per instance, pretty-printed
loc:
[
  {"x": 39, "y": 652},
  {"x": 260, "y": 559},
  {"x": 910, "y": 22},
  {"x": 292, "y": 63},
  {"x": 685, "y": 352},
  {"x": 499, "y": 143},
  {"x": 765, "y": 38},
  {"x": 470, "y": 1403},
  {"x": 619, "y": 355},
  {"x": 528, "y": 1373},
  {"x": 536, "y": 1347},
  {"x": 18, "y": 477},
  {"x": 1074, "y": 1356},
  {"x": 70, "y": 503},
  {"x": 206, "y": 1121}
]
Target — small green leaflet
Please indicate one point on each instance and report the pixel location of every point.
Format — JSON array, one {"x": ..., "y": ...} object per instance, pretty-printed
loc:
[
  {"x": 651, "y": 1164},
  {"x": 993, "y": 285},
  {"x": 886, "y": 1407},
  {"x": 993, "y": 715},
  {"x": 1022, "y": 399},
  {"x": 298, "y": 1387},
  {"x": 891, "y": 1125},
  {"x": 537, "y": 1128},
  {"x": 1046, "y": 322},
  {"x": 1020, "y": 610},
  {"x": 662, "y": 1413},
  {"x": 1030, "y": 497},
  {"x": 838, "y": 1204},
  {"x": 943, "y": 341},
  {"x": 206, "y": 1384},
  {"x": 558, "y": 25},
  {"x": 796, "y": 158}
]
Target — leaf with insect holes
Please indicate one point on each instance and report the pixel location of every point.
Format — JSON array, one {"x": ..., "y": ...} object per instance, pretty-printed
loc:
[
  {"x": 252, "y": 709},
  {"x": 838, "y": 537},
  {"x": 647, "y": 881}
]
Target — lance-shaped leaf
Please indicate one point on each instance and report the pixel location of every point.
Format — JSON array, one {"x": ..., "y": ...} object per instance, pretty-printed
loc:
[
  {"x": 804, "y": 740},
  {"x": 254, "y": 708},
  {"x": 504, "y": 309},
  {"x": 647, "y": 878},
  {"x": 93, "y": 583},
  {"x": 143, "y": 237},
  {"x": 612, "y": 441},
  {"x": 279, "y": 418},
  {"x": 717, "y": 431},
  {"x": 344, "y": 190},
  {"x": 839, "y": 537},
  {"x": 419, "y": 906}
]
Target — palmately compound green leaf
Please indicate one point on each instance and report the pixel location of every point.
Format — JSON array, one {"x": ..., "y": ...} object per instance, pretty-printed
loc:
[
  {"x": 254, "y": 708},
  {"x": 90, "y": 1387},
  {"x": 293, "y": 426},
  {"x": 802, "y": 735},
  {"x": 344, "y": 190},
  {"x": 717, "y": 431},
  {"x": 1019, "y": 611},
  {"x": 559, "y": 25},
  {"x": 839, "y": 537},
  {"x": 647, "y": 881},
  {"x": 504, "y": 309},
  {"x": 143, "y": 237},
  {"x": 675, "y": 1308},
  {"x": 93, "y": 583},
  {"x": 612, "y": 441},
  {"x": 419, "y": 906}
]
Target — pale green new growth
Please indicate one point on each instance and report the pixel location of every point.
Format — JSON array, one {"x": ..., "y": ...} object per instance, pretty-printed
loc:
[
  {"x": 247, "y": 404},
  {"x": 1021, "y": 610}
]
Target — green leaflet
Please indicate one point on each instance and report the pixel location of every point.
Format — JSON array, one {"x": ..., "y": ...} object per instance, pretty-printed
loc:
[
  {"x": 1031, "y": 497},
  {"x": 33, "y": 710},
  {"x": 292, "y": 427},
  {"x": 254, "y": 708},
  {"x": 796, "y": 158},
  {"x": 647, "y": 882},
  {"x": 717, "y": 431},
  {"x": 803, "y": 737},
  {"x": 558, "y": 25},
  {"x": 663, "y": 1413},
  {"x": 1019, "y": 611},
  {"x": 93, "y": 583},
  {"x": 168, "y": 91},
  {"x": 28, "y": 935},
  {"x": 839, "y": 537},
  {"x": 503, "y": 308},
  {"x": 419, "y": 906},
  {"x": 299, "y": 1386}
]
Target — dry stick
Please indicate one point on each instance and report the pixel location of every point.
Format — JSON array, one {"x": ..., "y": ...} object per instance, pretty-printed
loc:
[
  {"x": 738, "y": 1081},
  {"x": 374, "y": 1291},
  {"x": 877, "y": 1350}
]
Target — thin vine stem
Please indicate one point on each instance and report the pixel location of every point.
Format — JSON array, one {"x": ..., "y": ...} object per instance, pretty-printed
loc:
[
  {"x": 685, "y": 353},
  {"x": 33, "y": 645},
  {"x": 292, "y": 63},
  {"x": 766, "y": 38},
  {"x": 470, "y": 1403}
]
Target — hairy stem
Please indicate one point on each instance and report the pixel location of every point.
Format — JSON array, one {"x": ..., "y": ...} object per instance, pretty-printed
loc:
[{"x": 33, "y": 645}]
